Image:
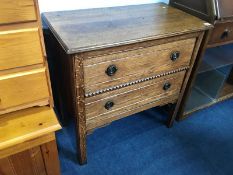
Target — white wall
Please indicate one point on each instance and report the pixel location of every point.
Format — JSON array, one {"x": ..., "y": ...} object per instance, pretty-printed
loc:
[{"x": 59, "y": 5}]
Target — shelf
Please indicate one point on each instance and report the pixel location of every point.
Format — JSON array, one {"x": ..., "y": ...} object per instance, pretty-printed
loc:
[
  {"x": 211, "y": 82},
  {"x": 24, "y": 125},
  {"x": 197, "y": 99},
  {"x": 209, "y": 88},
  {"x": 216, "y": 58}
]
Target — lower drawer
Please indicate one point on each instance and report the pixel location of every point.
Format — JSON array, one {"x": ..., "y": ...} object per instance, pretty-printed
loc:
[
  {"x": 139, "y": 96},
  {"x": 23, "y": 89},
  {"x": 222, "y": 33},
  {"x": 106, "y": 119}
]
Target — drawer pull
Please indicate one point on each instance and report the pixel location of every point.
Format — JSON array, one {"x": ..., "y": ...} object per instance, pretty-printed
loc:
[
  {"x": 109, "y": 105},
  {"x": 111, "y": 70},
  {"x": 167, "y": 86},
  {"x": 175, "y": 55},
  {"x": 225, "y": 34}
]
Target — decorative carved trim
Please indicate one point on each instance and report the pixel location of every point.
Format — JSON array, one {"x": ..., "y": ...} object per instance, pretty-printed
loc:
[
  {"x": 135, "y": 82},
  {"x": 80, "y": 109}
]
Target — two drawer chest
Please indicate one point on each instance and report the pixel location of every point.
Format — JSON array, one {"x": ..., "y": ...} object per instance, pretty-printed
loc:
[{"x": 110, "y": 63}]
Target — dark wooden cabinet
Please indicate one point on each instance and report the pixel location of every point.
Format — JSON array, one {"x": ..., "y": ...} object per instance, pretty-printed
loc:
[
  {"x": 114, "y": 62},
  {"x": 212, "y": 78}
]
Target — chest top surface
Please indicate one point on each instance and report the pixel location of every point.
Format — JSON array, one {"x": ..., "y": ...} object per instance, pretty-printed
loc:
[{"x": 91, "y": 29}]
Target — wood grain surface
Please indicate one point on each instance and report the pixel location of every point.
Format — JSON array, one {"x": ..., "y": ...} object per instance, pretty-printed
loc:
[
  {"x": 20, "y": 48},
  {"x": 23, "y": 88},
  {"x": 17, "y": 11},
  {"x": 139, "y": 41},
  {"x": 29, "y": 162},
  {"x": 225, "y": 8},
  {"x": 106, "y": 119},
  {"x": 26, "y": 145},
  {"x": 37, "y": 160},
  {"x": 50, "y": 157},
  {"x": 217, "y": 37},
  {"x": 85, "y": 30},
  {"x": 28, "y": 124},
  {"x": 138, "y": 96},
  {"x": 80, "y": 114},
  {"x": 136, "y": 64}
]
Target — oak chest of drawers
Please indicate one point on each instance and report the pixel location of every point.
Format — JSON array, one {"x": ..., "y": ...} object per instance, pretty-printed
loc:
[{"x": 113, "y": 62}]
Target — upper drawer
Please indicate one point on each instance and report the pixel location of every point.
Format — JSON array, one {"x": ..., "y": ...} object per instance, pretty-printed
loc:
[
  {"x": 111, "y": 70},
  {"x": 222, "y": 33},
  {"x": 12, "y": 11},
  {"x": 20, "y": 48},
  {"x": 23, "y": 88}
]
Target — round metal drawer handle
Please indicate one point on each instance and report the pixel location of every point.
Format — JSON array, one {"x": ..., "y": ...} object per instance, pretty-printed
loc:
[
  {"x": 111, "y": 70},
  {"x": 225, "y": 34},
  {"x": 167, "y": 86},
  {"x": 175, "y": 55},
  {"x": 108, "y": 105}
]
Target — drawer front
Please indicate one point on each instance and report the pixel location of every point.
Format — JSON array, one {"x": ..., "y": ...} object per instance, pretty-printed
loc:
[
  {"x": 12, "y": 11},
  {"x": 23, "y": 88},
  {"x": 223, "y": 32},
  {"x": 147, "y": 93},
  {"x": 111, "y": 70},
  {"x": 97, "y": 122},
  {"x": 20, "y": 48},
  {"x": 225, "y": 8}
]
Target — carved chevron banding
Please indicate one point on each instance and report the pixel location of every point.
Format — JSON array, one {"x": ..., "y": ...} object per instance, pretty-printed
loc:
[{"x": 135, "y": 82}]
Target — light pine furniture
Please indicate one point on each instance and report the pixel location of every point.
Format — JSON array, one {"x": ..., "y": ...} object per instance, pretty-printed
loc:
[
  {"x": 110, "y": 63},
  {"x": 212, "y": 78},
  {"x": 24, "y": 78},
  {"x": 27, "y": 142},
  {"x": 27, "y": 120}
]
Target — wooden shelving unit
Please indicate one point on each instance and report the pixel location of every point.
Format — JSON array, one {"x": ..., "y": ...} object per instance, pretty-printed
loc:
[
  {"x": 213, "y": 77},
  {"x": 211, "y": 85}
]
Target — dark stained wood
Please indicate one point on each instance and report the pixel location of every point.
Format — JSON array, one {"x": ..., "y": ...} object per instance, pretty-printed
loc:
[
  {"x": 200, "y": 54},
  {"x": 204, "y": 9},
  {"x": 147, "y": 61},
  {"x": 217, "y": 12},
  {"x": 186, "y": 86},
  {"x": 220, "y": 14},
  {"x": 138, "y": 39},
  {"x": 135, "y": 46},
  {"x": 80, "y": 109},
  {"x": 136, "y": 97},
  {"x": 99, "y": 122},
  {"x": 225, "y": 8},
  {"x": 218, "y": 38},
  {"x": 90, "y": 100},
  {"x": 85, "y": 30},
  {"x": 61, "y": 70}
]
